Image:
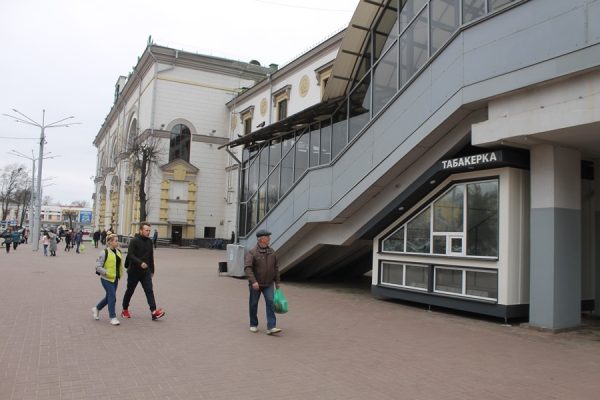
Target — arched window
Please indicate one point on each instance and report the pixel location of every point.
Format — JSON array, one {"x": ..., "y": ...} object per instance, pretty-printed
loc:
[
  {"x": 131, "y": 134},
  {"x": 181, "y": 139}
]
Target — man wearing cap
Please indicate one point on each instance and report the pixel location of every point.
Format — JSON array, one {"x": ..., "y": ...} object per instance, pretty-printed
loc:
[{"x": 262, "y": 271}]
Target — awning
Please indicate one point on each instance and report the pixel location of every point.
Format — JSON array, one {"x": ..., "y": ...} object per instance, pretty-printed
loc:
[{"x": 315, "y": 113}]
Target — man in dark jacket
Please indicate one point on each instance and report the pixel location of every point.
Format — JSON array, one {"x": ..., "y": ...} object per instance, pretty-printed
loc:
[
  {"x": 262, "y": 270},
  {"x": 140, "y": 268}
]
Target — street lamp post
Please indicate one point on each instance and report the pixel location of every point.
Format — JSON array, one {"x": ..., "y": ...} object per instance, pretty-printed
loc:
[
  {"x": 33, "y": 195},
  {"x": 24, "y": 119}
]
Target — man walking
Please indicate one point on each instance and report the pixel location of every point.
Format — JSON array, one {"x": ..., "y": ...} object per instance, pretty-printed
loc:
[
  {"x": 140, "y": 268},
  {"x": 262, "y": 271},
  {"x": 155, "y": 238}
]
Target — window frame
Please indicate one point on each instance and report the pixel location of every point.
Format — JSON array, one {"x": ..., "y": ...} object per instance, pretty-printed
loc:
[{"x": 449, "y": 235}]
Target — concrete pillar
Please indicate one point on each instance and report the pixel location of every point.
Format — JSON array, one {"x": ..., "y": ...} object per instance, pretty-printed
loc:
[
  {"x": 555, "y": 280},
  {"x": 597, "y": 238}
]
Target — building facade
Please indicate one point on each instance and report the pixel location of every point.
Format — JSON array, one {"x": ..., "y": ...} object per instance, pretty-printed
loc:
[
  {"x": 454, "y": 154},
  {"x": 175, "y": 101}
]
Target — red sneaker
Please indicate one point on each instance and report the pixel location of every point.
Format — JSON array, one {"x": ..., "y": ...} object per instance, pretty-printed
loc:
[
  {"x": 125, "y": 314},
  {"x": 158, "y": 313}
]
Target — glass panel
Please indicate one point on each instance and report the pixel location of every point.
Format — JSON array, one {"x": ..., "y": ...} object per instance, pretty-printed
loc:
[
  {"x": 339, "y": 133},
  {"x": 448, "y": 211},
  {"x": 325, "y": 142},
  {"x": 418, "y": 232},
  {"x": 473, "y": 9},
  {"x": 360, "y": 104},
  {"x": 394, "y": 242},
  {"x": 301, "y": 156},
  {"x": 244, "y": 194},
  {"x": 364, "y": 62},
  {"x": 179, "y": 147},
  {"x": 448, "y": 280},
  {"x": 413, "y": 48},
  {"x": 262, "y": 202},
  {"x": 496, "y": 4},
  {"x": 263, "y": 165},
  {"x": 444, "y": 21},
  {"x": 385, "y": 79},
  {"x": 417, "y": 276},
  {"x": 273, "y": 188},
  {"x": 386, "y": 31},
  {"x": 392, "y": 273},
  {"x": 274, "y": 154},
  {"x": 410, "y": 8},
  {"x": 242, "y": 219},
  {"x": 439, "y": 244},
  {"x": 482, "y": 219},
  {"x": 287, "y": 167},
  {"x": 253, "y": 174},
  {"x": 315, "y": 145},
  {"x": 251, "y": 213},
  {"x": 456, "y": 245},
  {"x": 482, "y": 284}
]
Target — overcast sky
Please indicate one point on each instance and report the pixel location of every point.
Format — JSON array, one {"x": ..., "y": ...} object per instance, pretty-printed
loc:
[{"x": 65, "y": 56}]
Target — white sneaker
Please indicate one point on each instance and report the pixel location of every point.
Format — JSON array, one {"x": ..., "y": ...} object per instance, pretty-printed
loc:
[
  {"x": 96, "y": 313},
  {"x": 253, "y": 329},
  {"x": 114, "y": 321},
  {"x": 273, "y": 331}
]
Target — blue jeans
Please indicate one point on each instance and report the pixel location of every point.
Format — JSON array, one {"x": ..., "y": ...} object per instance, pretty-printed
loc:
[
  {"x": 267, "y": 292},
  {"x": 111, "y": 297}
]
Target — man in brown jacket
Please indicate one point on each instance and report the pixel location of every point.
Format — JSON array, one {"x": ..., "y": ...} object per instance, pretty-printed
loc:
[{"x": 262, "y": 271}]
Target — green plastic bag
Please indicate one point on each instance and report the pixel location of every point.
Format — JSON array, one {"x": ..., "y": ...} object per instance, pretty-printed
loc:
[{"x": 280, "y": 304}]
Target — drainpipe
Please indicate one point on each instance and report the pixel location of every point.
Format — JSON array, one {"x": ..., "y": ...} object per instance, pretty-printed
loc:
[
  {"x": 269, "y": 76},
  {"x": 239, "y": 196}
]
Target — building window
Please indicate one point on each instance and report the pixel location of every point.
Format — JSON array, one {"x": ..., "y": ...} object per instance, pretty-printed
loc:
[
  {"x": 462, "y": 221},
  {"x": 413, "y": 276},
  {"x": 466, "y": 282},
  {"x": 210, "y": 232},
  {"x": 281, "y": 98},
  {"x": 282, "y": 109},
  {"x": 181, "y": 139},
  {"x": 247, "y": 114},
  {"x": 322, "y": 74}
]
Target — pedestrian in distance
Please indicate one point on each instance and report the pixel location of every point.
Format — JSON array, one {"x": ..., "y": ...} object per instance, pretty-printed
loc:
[
  {"x": 78, "y": 239},
  {"x": 96, "y": 238},
  {"x": 53, "y": 243},
  {"x": 262, "y": 270},
  {"x": 8, "y": 238},
  {"x": 103, "y": 237},
  {"x": 109, "y": 266},
  {"x": 45, "y": 242},
  {"x": 155, "y": 238},
  {"x": 140, "y": 269},
  {"x": 68, "y": 237},
  {"x": 16, "y": 238}
]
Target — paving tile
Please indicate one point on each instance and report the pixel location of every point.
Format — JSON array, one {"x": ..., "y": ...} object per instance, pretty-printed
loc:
[{"x": 338, "y": 342}]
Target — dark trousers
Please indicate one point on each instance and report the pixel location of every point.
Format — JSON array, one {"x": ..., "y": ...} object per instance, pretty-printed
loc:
[
  {"x": 7, "y": 246},
  {"x": 135, "y": 276}
]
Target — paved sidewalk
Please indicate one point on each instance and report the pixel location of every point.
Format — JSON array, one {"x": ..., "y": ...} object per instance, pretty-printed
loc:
[{"x": 338, "y": 342}]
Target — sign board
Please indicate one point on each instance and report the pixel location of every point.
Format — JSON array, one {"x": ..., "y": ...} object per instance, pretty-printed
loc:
[{"x": 85, "y": 217}]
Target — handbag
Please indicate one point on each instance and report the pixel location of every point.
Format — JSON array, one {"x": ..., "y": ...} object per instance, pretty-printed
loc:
[{"x": 280, "y": 304}]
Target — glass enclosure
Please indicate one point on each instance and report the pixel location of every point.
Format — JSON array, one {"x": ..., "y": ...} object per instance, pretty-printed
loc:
[{"x": 407, "y": 35}]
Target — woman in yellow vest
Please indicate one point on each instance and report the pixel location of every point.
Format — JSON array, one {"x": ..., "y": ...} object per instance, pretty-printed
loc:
[{"x": 109, "y": 266}]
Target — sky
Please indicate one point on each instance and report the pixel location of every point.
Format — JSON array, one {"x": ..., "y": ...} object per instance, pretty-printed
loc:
[{"x": 64, "y": 57}]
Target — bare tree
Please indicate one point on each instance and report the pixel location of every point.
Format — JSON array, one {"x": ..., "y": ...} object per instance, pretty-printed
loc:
[
  {"x": 23, "y": 200},
  {"x": 11, "y": 180},
  {"x": 71, "y": 215},
  {"x": 47, "y": 201},
  {"x": 80, "y": 203},
  {"x": 145, "y": 152}
]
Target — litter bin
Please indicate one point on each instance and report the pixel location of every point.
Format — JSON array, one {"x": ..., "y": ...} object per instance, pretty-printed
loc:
[
  {"x": 222, "y": 267},
  {"x": 235, "y": 258}
]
